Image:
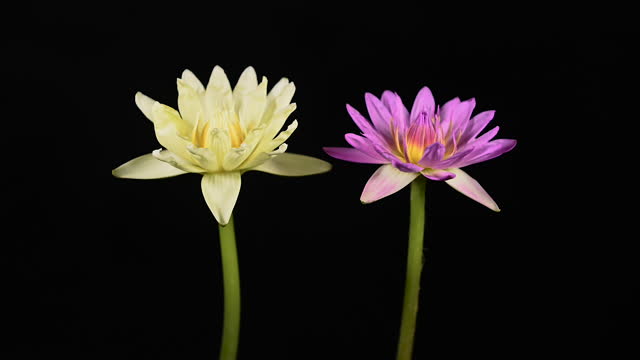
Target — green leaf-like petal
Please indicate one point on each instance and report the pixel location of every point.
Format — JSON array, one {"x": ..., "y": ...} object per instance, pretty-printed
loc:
[
  {"x": 288, "y": 164},
  {"x": 146, "y": 167}
]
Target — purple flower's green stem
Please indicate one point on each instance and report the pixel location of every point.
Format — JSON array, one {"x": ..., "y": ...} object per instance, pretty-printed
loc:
[
  {"x": 231, "y": 277},
  {"x": 414, "y": 268}
]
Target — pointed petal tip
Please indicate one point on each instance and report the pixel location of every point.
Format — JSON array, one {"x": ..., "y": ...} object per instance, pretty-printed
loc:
[
  {"x": 220, "y": 191},
  {"x": 146, "y": 167},
  {"x": 469, "y": 187}
]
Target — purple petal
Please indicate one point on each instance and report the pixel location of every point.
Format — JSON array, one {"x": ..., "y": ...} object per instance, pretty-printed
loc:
[
  {"x": 437, "y": 174},
  {"x": 432, "y": 155},
  {"x": 379, "y": 114},
  {"x": 471, "y": 188},
  {"x": 384, "y": 182},
  {"x": 384, "y": 152},
  {"x": 454, "y": 159},
  {"x": 363, "y": 144},
  {"x": 486, "y": 137},
  {"x": 352, "y": 155},
  {"x": 406, "y": 167},
  {"x": 399, "y": 112},
  {"x": 461, "y": 115},
  {"x": 476, "y": 125},
  {"x": 393, "y": 158},
  {"x": 446, "y": 111},
  {"x": 364, "y": 125},
  {"x": 489, "y": 151},
  {"x": 424, "y": 103}
]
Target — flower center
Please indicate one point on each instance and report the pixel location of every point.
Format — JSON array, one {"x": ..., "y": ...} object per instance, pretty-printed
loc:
[
  {"x": 411, "y": 143},
  {"x": 237, "y": 134},
  {"x": 201, "y": 136}
]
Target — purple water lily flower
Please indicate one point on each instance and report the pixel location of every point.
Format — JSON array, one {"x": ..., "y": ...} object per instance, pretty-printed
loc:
[{"x": 431, "y": 141}]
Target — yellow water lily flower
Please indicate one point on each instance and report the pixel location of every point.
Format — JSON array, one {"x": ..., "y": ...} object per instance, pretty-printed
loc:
[{"x": 221, "y": 133}]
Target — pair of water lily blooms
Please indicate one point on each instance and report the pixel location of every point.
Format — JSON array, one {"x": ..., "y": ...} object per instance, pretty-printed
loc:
[{"x": 221, "y": 133}]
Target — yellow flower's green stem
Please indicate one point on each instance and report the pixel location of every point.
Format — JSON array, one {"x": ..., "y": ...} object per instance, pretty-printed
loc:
[
  {"x": 231, "y": 277},
  {"x": 414, "y": 268}
]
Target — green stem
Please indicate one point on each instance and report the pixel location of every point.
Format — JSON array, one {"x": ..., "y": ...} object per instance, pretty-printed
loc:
[
  {"x": 231, "y": 278},
  {"x": 414, "y": 268}
]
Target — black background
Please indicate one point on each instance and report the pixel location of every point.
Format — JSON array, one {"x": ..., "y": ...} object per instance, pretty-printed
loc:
[{"x": 109, "y": 268}]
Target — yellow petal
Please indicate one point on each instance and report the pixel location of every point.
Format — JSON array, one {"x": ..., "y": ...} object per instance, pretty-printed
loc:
[
  {"x": 177, "y": 161},
  {"x": 252, "y": 105},
  {"x": 221, "y": 191},
  {"x": 146, "y": 167},
  {"x": 236, "y": 156},
  {"x": 283, "y": 136},
  {"x": 280, "y": 150},
  {"x": 170, "y": 129},
  {"x": 277, "y": 88},
  {"x": 189, "y": 102},
  {"x": 145, "y": 104},
  {"x": 247, "y": 82},
  {"x": 278, "y": 99},
  {"x": 192, "y": 80},
  {"x": 288, "y": 164},
  {"x": 220, "y": 144},
  {"x": 219, "y": 80},
  {"x": 274, "y": 125},
  {"x": 205, "y": 158},
  {"x": 284, "y": 97},
  {"x": 218, "y": 107},
  {"x": 259, "y": 157}
]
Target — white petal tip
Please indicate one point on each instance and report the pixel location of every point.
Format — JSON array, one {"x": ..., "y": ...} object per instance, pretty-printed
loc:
[
  {"x": 145, "y": 167},
  {"x": 220, "y": 192},
  {"x": 385, "y": 181},
  {"x": 468, "y": 186},
  {"x": 288, "y": 164}
]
